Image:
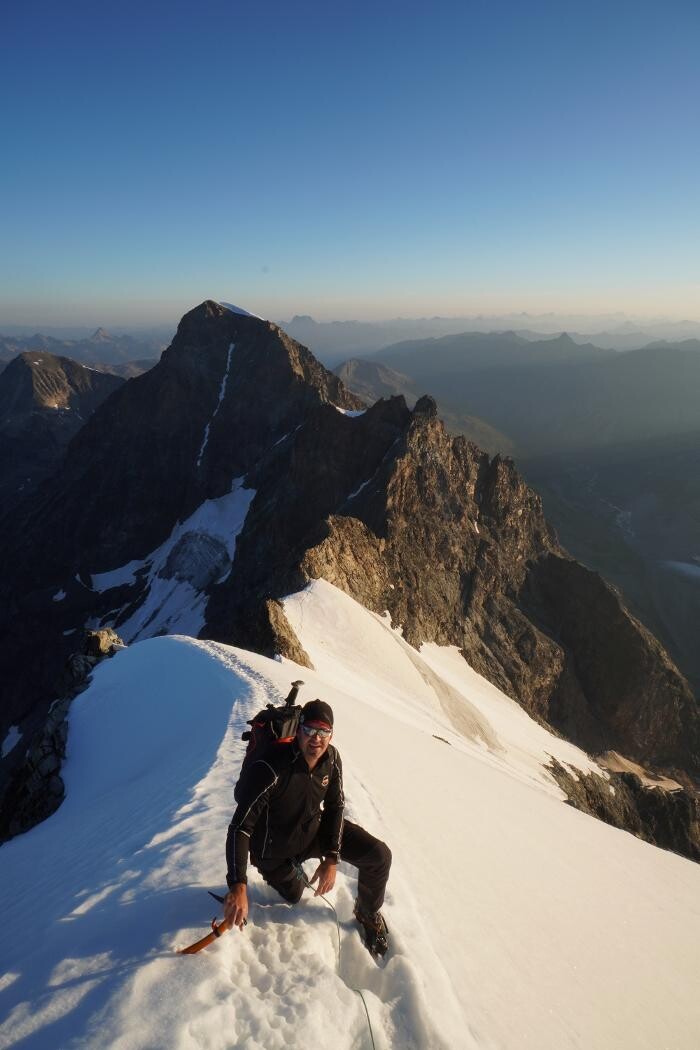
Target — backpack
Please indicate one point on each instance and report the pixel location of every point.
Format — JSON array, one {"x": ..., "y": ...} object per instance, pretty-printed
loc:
[{"x": 273, "y": 726}]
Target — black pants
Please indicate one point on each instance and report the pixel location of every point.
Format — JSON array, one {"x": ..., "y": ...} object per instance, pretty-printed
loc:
[{"x": 369, "y": 855}]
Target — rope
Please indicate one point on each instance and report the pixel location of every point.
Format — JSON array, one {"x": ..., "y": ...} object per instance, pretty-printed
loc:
[{"x": 358, "y": 991}]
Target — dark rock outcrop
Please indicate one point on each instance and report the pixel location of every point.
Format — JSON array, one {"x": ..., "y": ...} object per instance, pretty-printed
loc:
[
  {"x": 36, "y": 789},
  {"x": 668, "y": 819},
  {"x": 630, "y": 690},
  {"x": 44, "y": 401}
]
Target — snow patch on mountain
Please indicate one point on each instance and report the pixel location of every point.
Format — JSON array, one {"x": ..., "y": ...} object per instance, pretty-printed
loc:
[
  {"x": 353, "y": 413},
  {"x": 12, "y": 738},
  {"x": 683, "y": 568},
  {"x": 222, "y": 395},
  {"x": 126, "y": 574},
  {"x": 239, "y": 310},
  {"x": 198, "y": 553},
  {"x": 359, "y": 489}
]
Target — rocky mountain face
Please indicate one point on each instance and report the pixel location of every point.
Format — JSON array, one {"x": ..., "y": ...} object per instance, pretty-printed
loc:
[
  {"x": 228, "y": 388},
  {"x": 239, "y": 468},
  {"x": 371, "y": 380},
  {"x": 609, "y": 440},
  {"x": 44, "y": 401},
  {"x": 455, "y": 545},
  {"x": 632, "y": 512}
]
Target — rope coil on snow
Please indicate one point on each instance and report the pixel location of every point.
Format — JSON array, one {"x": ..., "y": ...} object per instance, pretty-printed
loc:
[{"x": 337, "y": 927}]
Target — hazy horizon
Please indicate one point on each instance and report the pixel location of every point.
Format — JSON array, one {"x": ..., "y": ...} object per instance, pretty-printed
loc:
[
  {"x": 363, "y": 162},
  {"x": 94, "y": 319}
]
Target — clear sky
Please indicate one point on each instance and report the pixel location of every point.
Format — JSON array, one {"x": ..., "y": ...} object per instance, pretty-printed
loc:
[{"x": 348, "y": 159}]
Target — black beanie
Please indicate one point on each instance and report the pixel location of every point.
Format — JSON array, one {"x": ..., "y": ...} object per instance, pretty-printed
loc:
[{"x": 317, "y": 711}]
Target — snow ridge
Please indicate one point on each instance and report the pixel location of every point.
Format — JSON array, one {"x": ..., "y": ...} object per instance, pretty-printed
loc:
[
  {"x": 515, "y": 920},
  {"x": 222, "y": 395}
]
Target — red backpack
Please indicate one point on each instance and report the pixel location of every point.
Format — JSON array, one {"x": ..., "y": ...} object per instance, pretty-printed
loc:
[{"x": 274, "y": 725}]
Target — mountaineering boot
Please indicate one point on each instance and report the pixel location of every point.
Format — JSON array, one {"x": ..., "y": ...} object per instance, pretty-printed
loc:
[{"x": 375, "y": 931}]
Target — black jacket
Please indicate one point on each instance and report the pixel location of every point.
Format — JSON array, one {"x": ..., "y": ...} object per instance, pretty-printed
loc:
[{"x": 279, "y": 810}]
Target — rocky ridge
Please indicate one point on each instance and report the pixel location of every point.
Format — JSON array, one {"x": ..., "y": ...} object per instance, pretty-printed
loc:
[
  {"x": 44, "y": 402},
  {"x": 372, "y": 381}
]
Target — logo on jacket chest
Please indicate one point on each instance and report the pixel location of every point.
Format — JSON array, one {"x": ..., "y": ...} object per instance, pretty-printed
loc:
[{"x": 324, "y": 782}]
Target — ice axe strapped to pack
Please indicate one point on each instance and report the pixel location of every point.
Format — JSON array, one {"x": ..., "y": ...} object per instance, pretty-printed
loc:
[{"x": 273, "y": 725}]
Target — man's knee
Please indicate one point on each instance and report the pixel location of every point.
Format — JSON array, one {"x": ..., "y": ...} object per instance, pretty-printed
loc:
[
  {"x": 292, "y": 894},
  {"x": 385, "y": 856},
  {"x": 285, "y": 880},
  {"x": 379, "y": 857}
]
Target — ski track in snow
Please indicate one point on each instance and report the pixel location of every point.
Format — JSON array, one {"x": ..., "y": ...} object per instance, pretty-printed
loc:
[{"x": 222, "y": 395}]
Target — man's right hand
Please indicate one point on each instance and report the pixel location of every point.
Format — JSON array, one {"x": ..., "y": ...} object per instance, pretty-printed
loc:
[{"x": 236, "y": 906}]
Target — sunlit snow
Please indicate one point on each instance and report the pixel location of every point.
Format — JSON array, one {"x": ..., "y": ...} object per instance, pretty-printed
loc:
[
  {"x": 239, "y": 310},
  {"x": 515, "y": 920}
]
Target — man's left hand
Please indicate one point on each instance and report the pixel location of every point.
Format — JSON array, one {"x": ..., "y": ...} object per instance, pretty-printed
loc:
[{"x": 325, "y": 873}]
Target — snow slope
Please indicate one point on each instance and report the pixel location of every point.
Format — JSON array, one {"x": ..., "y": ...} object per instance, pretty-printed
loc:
[
  {"x": 198, "y": 552},
  {"x": 516, "y": 921}
]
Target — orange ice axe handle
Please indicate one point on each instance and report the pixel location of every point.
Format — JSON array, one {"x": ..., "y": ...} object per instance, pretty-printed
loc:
[{"x": 216, "y": 932}]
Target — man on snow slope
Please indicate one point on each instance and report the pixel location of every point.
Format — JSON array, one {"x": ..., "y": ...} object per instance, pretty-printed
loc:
[{"x": 290, "y": 808}]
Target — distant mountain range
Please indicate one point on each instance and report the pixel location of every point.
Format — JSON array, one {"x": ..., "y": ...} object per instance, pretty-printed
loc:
[
  {"x": 333, "y": 341},
  {"x": 556, "y": 394},
  {"x": 99, "y": 350}
]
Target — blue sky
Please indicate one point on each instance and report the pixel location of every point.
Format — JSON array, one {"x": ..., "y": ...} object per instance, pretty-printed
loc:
[{"x": 349, "y": 159}]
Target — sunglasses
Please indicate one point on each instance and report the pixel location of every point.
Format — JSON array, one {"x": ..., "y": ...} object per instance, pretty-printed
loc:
[{"x": 316, "y": 731}]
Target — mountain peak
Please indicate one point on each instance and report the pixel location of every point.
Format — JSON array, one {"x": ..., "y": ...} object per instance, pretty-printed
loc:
[
  {"x": 227, "y": 389},
  {"x": 426, "y": 406},
  {"x": 100, "y": 335}
]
